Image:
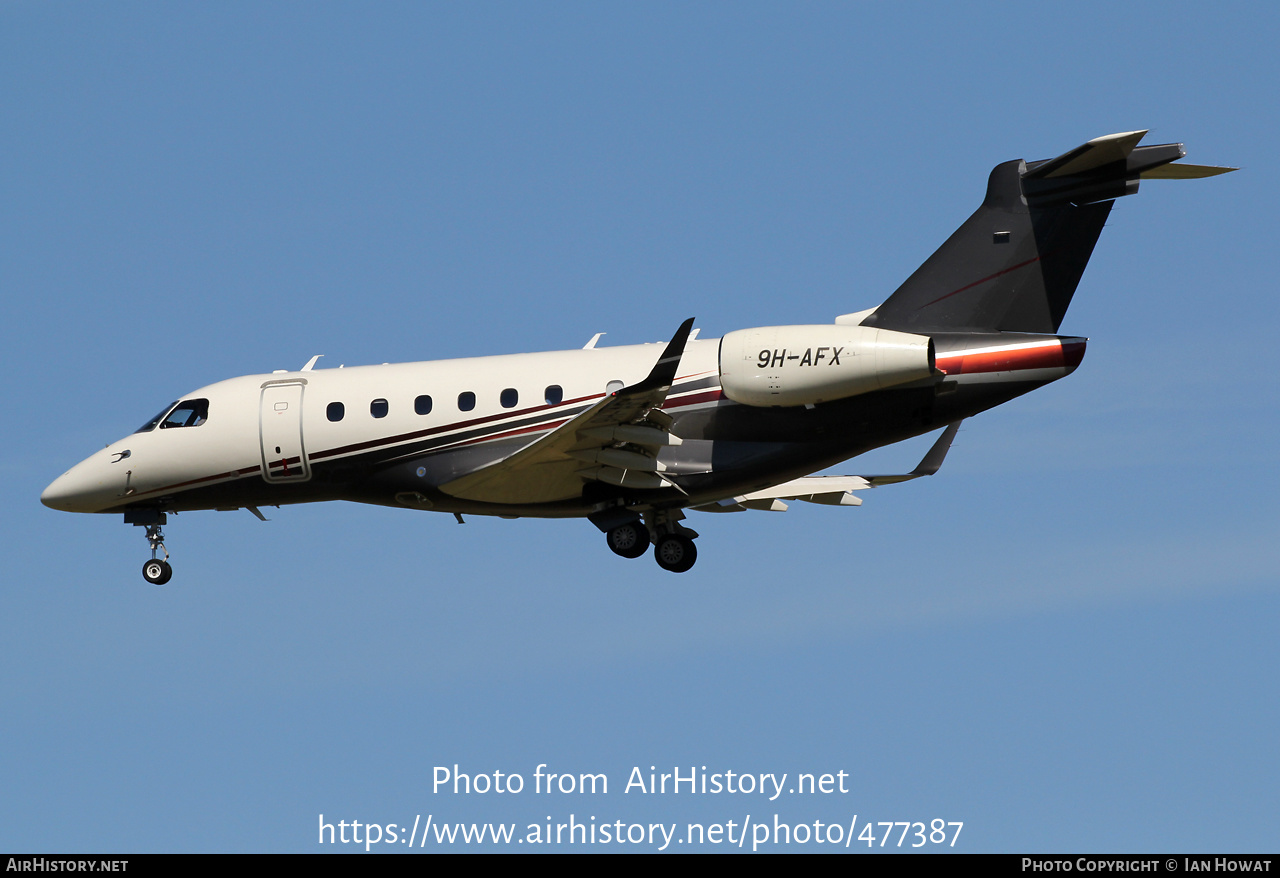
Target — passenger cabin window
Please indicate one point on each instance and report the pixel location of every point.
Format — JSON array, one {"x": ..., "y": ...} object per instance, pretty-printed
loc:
[
  {"x": 188, "y": 413},
  {"x": 335, "y": 411},
  {"x": 466, "y": 401},
  {"x": 151, "y": 424},
  {"x": 378, "y": 408},
  {"x": 613, "y": 386},
  {"x": 510, "y": 398},
  {"x": 555, "y": 393},
  {"x": 422, "y": 405}
]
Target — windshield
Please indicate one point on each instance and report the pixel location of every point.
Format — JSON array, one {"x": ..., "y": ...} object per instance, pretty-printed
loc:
[
  {"x": 151, "y": 424},
  {"x": 188, "y": 413}
]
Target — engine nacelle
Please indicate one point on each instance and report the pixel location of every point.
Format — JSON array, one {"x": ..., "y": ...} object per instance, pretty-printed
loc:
[{"x": 805, "y": 365}]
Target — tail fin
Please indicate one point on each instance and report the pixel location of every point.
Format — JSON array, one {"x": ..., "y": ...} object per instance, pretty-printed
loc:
[{"x": 1014, "y": 265}]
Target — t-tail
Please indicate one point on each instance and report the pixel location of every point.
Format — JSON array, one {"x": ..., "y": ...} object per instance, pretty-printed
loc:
[{"x": 1014, "y": 265}]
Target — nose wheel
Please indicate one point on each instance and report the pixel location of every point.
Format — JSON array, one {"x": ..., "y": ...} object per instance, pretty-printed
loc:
[{"x": 157, "y": 571}]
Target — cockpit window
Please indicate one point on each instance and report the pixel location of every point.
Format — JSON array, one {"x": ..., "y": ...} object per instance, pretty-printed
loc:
[
  {"x": 188, "y": 413},
  {"x": 151, "y": 424}
]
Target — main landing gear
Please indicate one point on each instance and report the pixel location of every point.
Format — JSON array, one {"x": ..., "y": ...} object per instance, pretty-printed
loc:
[
  {"x": 673, "y": 546},
  {"x": 630, "y": 540},
  {"x": 675, "y": 552}
]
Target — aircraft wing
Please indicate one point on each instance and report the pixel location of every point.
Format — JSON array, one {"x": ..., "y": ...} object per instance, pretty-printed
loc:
[
  {"x": 832, "y": 490},
  {"x": 555, "y": 466}
]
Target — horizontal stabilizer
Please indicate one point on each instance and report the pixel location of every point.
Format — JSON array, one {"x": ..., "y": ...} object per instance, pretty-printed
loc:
[
  {"x": 1185, "y": 172},
  {"x": 1096, "y": 153}
]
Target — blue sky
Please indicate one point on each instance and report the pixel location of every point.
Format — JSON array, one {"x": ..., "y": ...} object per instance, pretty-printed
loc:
[{"x": 1066, "y": 639}]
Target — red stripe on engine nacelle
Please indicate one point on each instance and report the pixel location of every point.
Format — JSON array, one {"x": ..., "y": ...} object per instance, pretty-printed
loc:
[{"x": 1059, "y": 355}]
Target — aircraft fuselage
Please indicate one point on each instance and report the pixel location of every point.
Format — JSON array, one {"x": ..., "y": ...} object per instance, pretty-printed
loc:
[{"x": 277, "y": 439}]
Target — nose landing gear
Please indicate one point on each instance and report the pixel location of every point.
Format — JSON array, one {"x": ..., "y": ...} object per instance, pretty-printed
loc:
[{"x": 155, "y": 571}]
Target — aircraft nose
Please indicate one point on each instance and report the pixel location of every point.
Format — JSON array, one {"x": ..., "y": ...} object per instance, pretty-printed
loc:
[
  {"x": 79, "y": 489},
  {"x": 62, "y": 493}
]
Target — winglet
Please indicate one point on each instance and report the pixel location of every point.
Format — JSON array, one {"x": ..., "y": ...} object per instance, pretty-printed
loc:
[
  {"x": 664, "y": 371},
  {"x": 929, "y": 465},
  {"x": 938, "y": 453}
]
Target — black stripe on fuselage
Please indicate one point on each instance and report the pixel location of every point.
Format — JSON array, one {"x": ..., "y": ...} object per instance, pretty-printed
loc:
[
  {"x": 372, "y": 452},
  {"x": 487, "y": 428}
]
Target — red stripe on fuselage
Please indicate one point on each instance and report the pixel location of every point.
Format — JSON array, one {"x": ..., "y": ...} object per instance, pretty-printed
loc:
[
  {"x": 692, "y": 399},
  {"x": 545, "y": 427}
]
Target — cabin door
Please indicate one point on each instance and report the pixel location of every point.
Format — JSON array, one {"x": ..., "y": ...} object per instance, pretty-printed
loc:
[{"x": 284, "y": 459}]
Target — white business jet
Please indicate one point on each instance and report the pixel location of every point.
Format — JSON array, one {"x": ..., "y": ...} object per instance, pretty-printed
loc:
[{"x": 631, "y": 437}]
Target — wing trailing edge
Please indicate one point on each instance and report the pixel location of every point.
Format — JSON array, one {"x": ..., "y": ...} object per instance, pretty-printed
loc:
[{"x": 833, "y": 490}]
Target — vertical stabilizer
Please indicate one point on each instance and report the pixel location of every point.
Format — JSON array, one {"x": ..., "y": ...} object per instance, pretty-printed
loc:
[{"x": 1015, "y": 263}]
